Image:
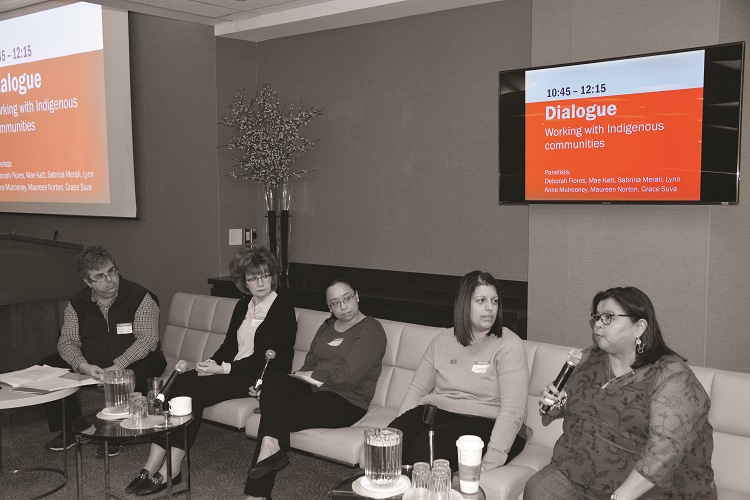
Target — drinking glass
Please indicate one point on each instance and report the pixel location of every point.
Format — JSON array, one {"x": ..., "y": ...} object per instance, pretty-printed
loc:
[
  {"x": 383, "y": 456},
  {"x": 440, "y": 483},
  {"x": 420, "y": 481},
  {"x": 154, "y": 388},
  {"x": 139, "y": 411},
  {"x": 441, "y": 462},
  {"x": 118, "y": 384}
]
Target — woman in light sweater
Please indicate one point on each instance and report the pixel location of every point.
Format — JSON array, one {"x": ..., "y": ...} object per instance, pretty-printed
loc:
[{"x": 477, "y": 376}]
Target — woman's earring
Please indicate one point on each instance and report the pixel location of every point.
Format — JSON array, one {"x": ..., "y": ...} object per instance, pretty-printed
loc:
[{"x": 638, "y": 345}]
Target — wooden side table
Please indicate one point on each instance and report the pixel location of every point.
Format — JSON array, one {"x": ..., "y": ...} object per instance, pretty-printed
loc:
[{"x": 10, "y": 399}]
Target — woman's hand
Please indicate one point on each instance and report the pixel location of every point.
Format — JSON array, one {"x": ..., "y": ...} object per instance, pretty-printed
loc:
[
  {"x": 254, "y": 393},
  {"x": 550, "y": 395},
  {"x": 208, "y": 367}
]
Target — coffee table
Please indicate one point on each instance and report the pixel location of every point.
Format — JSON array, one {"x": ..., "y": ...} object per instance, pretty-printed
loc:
[
  {"x": 10, "y": 399},
  {"x": 343, "y": 490},
  {"x": 93, "y": 428}
]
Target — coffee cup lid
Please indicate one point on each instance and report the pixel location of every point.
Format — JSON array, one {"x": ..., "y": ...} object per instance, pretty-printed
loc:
[{"x": 470, "y": 442}]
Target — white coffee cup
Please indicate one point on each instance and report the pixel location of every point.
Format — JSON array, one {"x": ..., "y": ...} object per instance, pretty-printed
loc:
[
  {"x": 469, "y": 463},
  {"x": 181, "y": 406}
]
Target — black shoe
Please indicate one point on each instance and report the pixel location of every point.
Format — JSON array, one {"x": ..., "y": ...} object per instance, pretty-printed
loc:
[
  {"x": 114, "y": 450},
  {"x": 56, "y": 443},
  {"x": 141, "y": 478},
  {"x": 277, "y": 461},
  {"x": 156, "y": 483}
]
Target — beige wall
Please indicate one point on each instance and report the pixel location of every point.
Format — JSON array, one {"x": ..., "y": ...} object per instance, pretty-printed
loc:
[
  {"x": 693, "y": 261},
  {"x": 406, "y": 167}
]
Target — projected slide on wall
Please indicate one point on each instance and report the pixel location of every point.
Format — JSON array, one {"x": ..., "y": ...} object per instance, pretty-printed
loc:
[
  {"x": 57, "y": 152},
  {"x": 617, "y": 130}
]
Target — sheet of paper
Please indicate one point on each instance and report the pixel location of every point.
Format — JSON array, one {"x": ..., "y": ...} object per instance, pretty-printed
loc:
[
  {"x": 309, "y": 380},
  {"x": 62, "y": 382}
]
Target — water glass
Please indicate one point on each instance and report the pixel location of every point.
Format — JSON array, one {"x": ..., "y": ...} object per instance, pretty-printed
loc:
[
  {"x": 383, "y": 456},
  {"x": 154, "y": 388},
  {"x": 441, "y": 462},
  {"x": 420, "y": 481},
  {"x": 118, "y": 384},
  {"x": 139, "y": 410},
  {"x": 440, "y": 483}
]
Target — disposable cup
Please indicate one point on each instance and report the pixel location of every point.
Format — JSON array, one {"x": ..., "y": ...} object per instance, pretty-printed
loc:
[{"x": 469, "y": 462}]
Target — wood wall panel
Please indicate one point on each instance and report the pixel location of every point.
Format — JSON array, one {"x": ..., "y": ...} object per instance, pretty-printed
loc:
[{"x": 28, "y": 332}]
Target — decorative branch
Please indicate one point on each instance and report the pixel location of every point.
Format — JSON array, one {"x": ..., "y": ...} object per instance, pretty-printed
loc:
[{"x": 269, "y": 136}]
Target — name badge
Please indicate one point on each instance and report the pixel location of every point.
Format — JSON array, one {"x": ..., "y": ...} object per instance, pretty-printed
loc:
[
  {"x": 336, "y": 342},
  {"x": 480, "y": 367},
  {"x": 257, "y": 322},
  {"x": 124, "y": 328}
]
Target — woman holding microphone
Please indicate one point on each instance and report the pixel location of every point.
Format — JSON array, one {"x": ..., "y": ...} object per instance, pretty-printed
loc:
[
  {"x": 634, "y": 415},
  {"x": 262, "y": 320}
]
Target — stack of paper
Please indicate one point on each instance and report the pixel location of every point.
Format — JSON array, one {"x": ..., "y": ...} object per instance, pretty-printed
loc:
[{"x": 44, "y": 379}]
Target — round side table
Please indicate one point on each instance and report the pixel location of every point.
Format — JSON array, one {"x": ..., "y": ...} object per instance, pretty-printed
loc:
[
  {"x": 94, "y": 428},
  {"x": 10, "y": 399}
]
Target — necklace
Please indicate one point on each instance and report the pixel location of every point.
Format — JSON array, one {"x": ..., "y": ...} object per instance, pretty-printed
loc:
[{"x": 609, "y": 373}]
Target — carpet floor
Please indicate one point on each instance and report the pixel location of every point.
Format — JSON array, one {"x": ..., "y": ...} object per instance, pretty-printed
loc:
[{"x": 219, "y": 459}]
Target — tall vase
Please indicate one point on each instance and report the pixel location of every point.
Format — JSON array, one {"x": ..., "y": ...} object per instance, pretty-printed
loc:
[{"x": 278, "y": 201}]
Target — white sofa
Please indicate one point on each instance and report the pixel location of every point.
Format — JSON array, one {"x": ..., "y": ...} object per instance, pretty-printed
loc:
[{"x": 197, "y": 325}]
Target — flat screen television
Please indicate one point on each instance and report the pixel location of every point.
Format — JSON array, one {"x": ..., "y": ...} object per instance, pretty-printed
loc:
[{"x": 653, "y": 128}]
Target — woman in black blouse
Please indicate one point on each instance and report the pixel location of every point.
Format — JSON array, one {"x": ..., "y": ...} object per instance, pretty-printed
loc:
[{"x": 261, "y": 321}]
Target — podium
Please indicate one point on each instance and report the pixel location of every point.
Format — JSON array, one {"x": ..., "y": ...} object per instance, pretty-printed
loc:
[{"x": 37, "y": 274}]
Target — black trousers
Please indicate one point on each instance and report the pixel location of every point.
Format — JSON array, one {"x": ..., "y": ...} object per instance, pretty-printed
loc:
[
  {"x": 205, "y": 391},
  {"x": 448, "y": 428},
  {"x": 289, "y": 405},
  {"x": 150, "y": 366}
]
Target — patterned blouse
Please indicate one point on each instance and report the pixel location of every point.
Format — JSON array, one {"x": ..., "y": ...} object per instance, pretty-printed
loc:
[{"x": 653, "y": 420}]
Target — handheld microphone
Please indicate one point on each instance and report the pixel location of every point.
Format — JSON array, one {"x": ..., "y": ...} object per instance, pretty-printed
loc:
[
  {"x": 574, "y": 357},
  {"x": 178, "y": 370},
  {"x": 270, "y": 354}
]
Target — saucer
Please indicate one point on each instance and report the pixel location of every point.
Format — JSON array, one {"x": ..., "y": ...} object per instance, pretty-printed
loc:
[{"x": 363, "y": 487}]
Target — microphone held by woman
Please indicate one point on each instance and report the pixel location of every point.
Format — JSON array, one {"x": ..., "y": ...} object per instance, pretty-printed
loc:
[{"x": 270, "y": 354}]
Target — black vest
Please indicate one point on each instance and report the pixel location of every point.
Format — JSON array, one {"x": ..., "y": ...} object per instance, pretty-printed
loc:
[{"x": 100, "y": 343}]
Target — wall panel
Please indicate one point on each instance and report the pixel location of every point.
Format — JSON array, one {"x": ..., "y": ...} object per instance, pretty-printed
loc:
[{"x": 406, "y": 167}]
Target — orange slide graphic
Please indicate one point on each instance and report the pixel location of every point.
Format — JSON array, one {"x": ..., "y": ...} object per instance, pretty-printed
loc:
[
  {"x": 53, "y": 139},
  {"x": 631, "y": 147}
]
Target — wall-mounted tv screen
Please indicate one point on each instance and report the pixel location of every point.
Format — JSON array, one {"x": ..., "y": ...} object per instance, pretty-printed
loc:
[{"x": 656, "y": 128}]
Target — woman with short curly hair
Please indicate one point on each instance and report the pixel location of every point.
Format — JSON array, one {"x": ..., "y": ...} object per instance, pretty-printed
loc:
[{"x": 262, "y": 320}]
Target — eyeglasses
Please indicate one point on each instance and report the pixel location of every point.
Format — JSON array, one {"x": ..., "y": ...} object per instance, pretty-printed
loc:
[
  {"x": 104, "y": 276},
  {"x": 606, "y": 317},
  {"x": 258, "y": 279},
  {"x": 335, "y": 304}
]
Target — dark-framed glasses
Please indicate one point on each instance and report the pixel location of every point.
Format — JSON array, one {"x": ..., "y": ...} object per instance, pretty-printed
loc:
[
  {"x": 105, "y": 276},
  {"x": 335, "y": 304},
  {"x": 606, "y": 317},
  {"x": 258, "y": 279}
]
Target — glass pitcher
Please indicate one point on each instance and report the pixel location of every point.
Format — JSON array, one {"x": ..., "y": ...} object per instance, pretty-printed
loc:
[{"x": 118, "y": 384}]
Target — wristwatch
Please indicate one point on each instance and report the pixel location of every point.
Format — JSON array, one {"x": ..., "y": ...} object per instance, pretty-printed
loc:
[{"x": 613, "y": 496}]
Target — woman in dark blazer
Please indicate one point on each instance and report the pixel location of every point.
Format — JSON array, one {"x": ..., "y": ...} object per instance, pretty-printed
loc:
[{"x": 261, "y": 321}]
